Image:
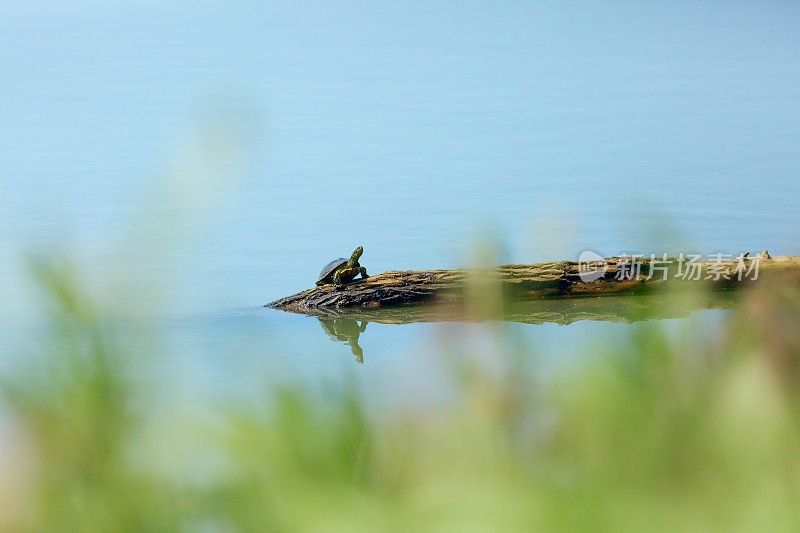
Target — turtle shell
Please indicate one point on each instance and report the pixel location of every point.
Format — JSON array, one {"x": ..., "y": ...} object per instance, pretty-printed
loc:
[{"x": 331, "y": 267}]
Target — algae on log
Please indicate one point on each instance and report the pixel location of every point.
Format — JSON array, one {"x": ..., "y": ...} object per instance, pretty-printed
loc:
[{"x": 555, "y": 279}]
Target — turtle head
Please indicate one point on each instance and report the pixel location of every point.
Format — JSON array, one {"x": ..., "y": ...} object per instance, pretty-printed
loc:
[{"x": 356, "y": 255}]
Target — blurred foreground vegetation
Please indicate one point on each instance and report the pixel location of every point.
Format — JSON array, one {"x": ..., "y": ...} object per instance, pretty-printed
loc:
[{"x": 664, "y": 431}]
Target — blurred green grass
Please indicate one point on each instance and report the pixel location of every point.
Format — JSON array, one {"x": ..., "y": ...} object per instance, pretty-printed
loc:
[{"x": 659, "y": 431}]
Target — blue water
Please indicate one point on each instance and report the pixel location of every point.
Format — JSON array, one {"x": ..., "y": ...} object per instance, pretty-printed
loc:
[{"x": 413, "y": 128}]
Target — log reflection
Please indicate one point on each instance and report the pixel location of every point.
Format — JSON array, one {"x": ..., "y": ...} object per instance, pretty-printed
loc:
[{"x": 342, "y": 325}]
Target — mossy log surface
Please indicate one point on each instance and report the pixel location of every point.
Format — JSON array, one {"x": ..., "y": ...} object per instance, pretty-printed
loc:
[{"x": 523, "y": 283}]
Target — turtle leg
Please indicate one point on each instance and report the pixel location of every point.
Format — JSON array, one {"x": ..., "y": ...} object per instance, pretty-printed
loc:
[
  {"x": 337, "y": 279},
  {"x": 363, "y": 272}
]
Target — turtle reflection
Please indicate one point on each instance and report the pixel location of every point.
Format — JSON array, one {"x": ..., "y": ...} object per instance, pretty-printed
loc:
[{"x": 345, "y": 330}]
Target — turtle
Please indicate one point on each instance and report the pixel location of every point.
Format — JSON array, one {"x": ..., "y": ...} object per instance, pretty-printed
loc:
[{"x": 340, "y": 271}]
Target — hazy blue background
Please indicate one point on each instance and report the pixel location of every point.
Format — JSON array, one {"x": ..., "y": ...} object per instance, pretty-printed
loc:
[{"x": 412, "y": 128}]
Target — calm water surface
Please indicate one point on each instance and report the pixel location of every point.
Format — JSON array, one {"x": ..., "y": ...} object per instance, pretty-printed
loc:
[{"x": 414, "y": 128}]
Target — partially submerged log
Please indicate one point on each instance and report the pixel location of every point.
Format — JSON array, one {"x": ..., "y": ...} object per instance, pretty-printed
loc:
[{"x": 526, "y": 283}]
